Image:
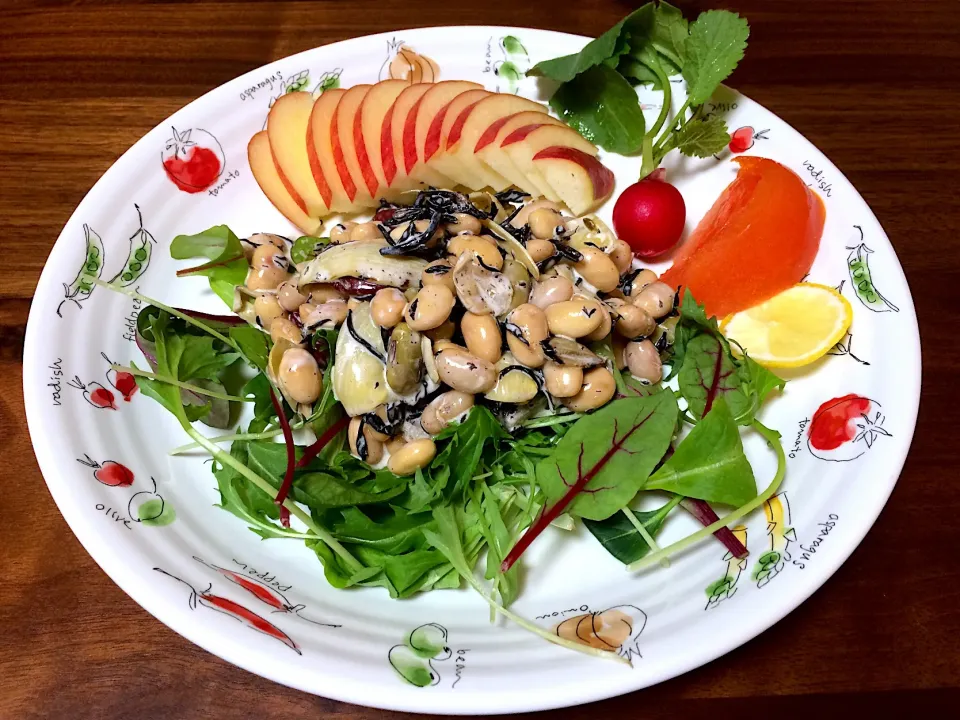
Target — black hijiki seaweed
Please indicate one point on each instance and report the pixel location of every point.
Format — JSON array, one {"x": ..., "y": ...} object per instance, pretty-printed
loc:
[{"x": 356, "y": 336}]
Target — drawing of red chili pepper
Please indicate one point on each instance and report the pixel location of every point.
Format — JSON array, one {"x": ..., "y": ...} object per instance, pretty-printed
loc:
[
  {"x": 234, "y": 610},
  {"x": 122, "y": 381},
  {"x": 94, "y": 393},
  {"x": 109, "y": 472},
  {"x": 263, "y": 593}
]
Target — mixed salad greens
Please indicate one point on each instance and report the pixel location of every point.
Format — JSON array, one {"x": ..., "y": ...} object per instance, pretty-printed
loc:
[{"x": 354, "y": 351}]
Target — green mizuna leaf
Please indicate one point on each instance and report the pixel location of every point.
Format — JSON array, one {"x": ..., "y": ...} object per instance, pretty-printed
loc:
[
  {"x": 709, "y": 463},
  {"x": 715, "y": 46}
]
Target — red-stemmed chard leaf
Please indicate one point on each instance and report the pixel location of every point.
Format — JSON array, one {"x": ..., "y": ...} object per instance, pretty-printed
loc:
[
  {"x": 291, "y": 459},
  {"x": 313, "y": 450},
  {"x": 708, "y": 372},
  {"x": 210, "y": 265},
  {"x": 702, "y": 511},
  {"x": 602, "y": 462}
]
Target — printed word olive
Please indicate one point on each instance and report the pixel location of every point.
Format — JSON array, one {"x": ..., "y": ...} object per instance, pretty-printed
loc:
[
  {"x": 268, "y": 309},
  {"x": 481, "y": 333},
  {"x": 444, "y": 409},
  {"x": 574, "y": 318},
  {"x": 412, "y": 457},
  {"x": 643, "y": 361},
  {"x": 300, "y": 376},
  {"x": 598, "y": 269},
  {"x": 487, "y": 251},
  {"x": 551, "y": 290},
  {"x": 562, "y": 381},
  {"x": 526, "y": 329},
  {"x": 544, "y": 223},
  {"x": 657, "y": 299},
  {"x": 430, "y": 308},
  {"x": 387, "y": 307},
  {"x": 366, "y": 447},
  {"x": 289, "y": 296},
  {"x": 598, "y": 389},
  {"x": 464, "y": 371}
]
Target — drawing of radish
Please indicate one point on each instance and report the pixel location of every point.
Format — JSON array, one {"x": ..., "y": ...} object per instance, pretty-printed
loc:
[
  {"x": 123, "y": 382},
  {"x": 149, "y": 507},
  {"x": 742, "y": 139},
  {"x": 94, "y": 393},
  {"x": 263, "y": 593},
  {"x": 109, "y": 472},
  {"x": 234, "y": 610},
  {"x": 844, "y": 428},
  {"x": 193, "y": 159}
]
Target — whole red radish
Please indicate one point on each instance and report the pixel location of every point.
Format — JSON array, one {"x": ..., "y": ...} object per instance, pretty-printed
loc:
[{"x": 649, "y": 216}]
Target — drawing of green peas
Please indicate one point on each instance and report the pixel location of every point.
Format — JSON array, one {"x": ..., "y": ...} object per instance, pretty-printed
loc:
[
  {"x": 141, "y": 250},
  {"x": 82, "y": 285},
  {"x": 858, "y": 264}
]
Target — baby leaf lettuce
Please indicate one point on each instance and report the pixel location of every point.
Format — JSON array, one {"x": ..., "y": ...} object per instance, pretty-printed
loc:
[
  {"x": 709, "y": 463},
  {"x": 227, "y": 267},
  {"x": 621, "y": 538}
]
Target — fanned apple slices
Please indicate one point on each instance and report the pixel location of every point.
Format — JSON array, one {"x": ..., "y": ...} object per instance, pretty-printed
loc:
[{"x": 346, "y": 149}]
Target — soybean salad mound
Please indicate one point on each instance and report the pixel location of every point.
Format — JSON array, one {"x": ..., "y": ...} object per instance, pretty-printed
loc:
[{"x": 429, "y": 391}]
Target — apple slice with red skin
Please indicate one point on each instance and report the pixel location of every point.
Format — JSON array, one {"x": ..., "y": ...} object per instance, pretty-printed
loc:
[
  {"x": 439, "y": 130},
  {"x": 418, "y": 122},
  {"x": 470, "y": 127},
  {"x": 367, "y": 127},
  {"x": 287, "y": 124},
  {"x": 275, "y": 186},
  {"x": 580, "y": 179},
  {"x": 320, "y": 148},
  {"x": 391, "y": 135},
  {"x": 344, "y": 150},
  {"x": 526, "y": 141},
  {"x": 489, "y": 152}
]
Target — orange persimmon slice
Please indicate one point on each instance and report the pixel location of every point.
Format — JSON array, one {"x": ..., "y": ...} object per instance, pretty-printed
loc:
[{"x": 759, "y": 238}]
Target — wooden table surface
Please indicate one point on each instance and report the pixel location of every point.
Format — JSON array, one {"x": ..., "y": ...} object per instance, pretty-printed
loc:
[{"x": 873, "y": 83}]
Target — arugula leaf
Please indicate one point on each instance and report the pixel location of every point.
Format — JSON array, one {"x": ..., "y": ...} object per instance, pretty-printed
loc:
[
  {"x": 406, "y": 572},
  {"x": 621, "y": 539},
  {"x": 601, "y": 106},
  {"x": 709, "y": 463},
  {"x": 606, "y": 457},
  {"x": 228, "y": 265},
  {"x": 607, "y": 47},
  {"x": 254, "y": 345},
  {"x": 340, "y": 576},
  {"x": 307, "y": 248},
  {"x": 387, "y": 528},
  {"x": 244, "y": 499},
  {"x": 703, "y": 138},
  {"x": 715, "y": 46}
]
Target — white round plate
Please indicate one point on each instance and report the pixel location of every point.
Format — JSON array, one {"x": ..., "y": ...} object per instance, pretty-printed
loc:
[{"x": 346, "y": 644}]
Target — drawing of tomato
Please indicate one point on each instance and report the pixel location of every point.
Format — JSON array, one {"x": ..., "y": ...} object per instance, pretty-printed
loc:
[
  {"x": 844, "y": 428},
  {"x": 193, "y": 159}
]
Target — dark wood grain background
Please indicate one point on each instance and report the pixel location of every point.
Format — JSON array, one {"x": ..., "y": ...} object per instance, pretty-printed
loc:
[{"x": 874, "y": 83}]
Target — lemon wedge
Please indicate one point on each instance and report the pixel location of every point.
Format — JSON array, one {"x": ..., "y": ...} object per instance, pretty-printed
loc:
[{"x": 791, "y": 329}]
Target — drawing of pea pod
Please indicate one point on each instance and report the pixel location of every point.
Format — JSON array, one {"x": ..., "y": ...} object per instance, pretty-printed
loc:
[
  {"x": 141, "y": 250},
  {"x": 858, "y": 264},
  {"x": 82, "y": 285}
]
